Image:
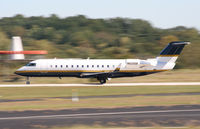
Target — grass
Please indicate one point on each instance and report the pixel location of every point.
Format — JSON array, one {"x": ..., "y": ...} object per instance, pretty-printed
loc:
[
  {"x": 45, "y": 92},
  {"x": 54, "y": 104},
  {"x": 49, "y": 97}
]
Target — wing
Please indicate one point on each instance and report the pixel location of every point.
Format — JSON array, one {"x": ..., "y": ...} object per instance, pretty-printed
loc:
[{"x": 106, "y": 74}]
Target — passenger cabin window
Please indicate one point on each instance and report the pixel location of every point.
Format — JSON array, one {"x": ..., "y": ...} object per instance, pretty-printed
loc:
[
  {"x": 88, "y": 66},
  {"x": 66, "y": 66},
  {"x": 97, "y": 66},
  {"x": 61, "y": 66},
  {"x": 56, "y": 66},
  {"x": 77, "y": 66},
  {"x": 107, "y": 66},
  {"x": 72, "y": 66},
  {"x": 31, "y": 64},
  {"x": 82, "y": 66},
  {"x": 102, "y": 66},
  {"x": 92, "y": 66}
]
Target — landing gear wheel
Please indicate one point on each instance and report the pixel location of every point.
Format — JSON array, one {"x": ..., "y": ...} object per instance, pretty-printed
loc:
[
  {"x": 102, "y": 81},
  {"x": 27, "y": 81}
]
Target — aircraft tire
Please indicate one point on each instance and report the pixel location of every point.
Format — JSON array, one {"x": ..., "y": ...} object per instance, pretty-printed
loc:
[
  {"x": 28, "y": 82},
  {"x": 102, "y": 81}
]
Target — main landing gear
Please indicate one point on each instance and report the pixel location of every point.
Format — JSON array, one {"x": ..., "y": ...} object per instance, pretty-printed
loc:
[
  {"x": 101, "y": 80},
  {"x": 28, "y": 81}
]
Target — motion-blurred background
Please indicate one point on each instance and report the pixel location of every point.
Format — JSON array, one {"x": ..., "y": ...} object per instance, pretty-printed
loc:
[{"x": 114, "y": 29}]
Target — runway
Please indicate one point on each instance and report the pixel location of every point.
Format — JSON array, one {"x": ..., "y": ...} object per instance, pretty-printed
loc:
[
  {"x": 107, "y": 84},
  {"x": 126, "y": 117}
]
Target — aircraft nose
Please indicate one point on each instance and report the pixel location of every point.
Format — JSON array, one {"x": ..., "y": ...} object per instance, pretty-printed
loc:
[{"x": 18, "y": 71}]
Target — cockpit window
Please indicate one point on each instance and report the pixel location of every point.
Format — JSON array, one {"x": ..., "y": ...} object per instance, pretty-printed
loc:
[{"x": 31, "y": 64}]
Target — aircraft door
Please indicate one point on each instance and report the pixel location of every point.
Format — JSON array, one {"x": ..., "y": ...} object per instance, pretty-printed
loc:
[{"x": 43, "y": 66}]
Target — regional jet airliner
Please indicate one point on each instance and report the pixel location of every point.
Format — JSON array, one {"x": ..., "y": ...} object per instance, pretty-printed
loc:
[{"x": 103, "y": 69}]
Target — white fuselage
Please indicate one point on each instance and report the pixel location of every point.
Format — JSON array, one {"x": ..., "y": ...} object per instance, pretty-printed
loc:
[{"x": 93, "y": 67}]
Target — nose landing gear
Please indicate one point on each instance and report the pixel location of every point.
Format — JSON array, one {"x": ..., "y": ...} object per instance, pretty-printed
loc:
[{"x": 28, "y": 81}]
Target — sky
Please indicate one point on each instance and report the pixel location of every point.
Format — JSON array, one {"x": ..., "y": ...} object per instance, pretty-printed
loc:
[{"x": 160, "y": 13}]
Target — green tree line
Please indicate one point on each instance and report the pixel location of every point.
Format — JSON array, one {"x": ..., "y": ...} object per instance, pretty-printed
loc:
[{"x": 82, "y": 37}]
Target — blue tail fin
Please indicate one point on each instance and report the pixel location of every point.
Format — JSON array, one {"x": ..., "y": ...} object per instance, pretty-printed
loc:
[
  {"x": 173, "y": 48},
  {"x": 168, "y": 56}
]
